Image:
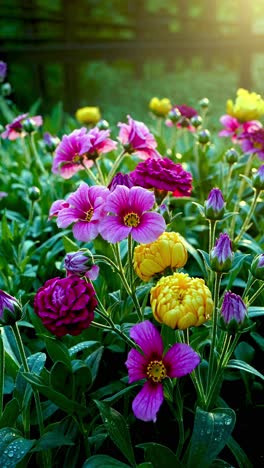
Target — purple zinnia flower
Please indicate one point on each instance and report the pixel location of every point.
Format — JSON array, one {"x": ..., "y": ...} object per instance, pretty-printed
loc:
[
  {"x": 66, "y": 305},
  {"x": 233, "y": 312},
  {"x": 99, "y": 143},
  {"x": 3, "y": 71},
  {"x": 81, "y": 263},
  {"x": 15, "y": 129},
  {"x": 252, "y": 141},
  {"x": 86, "y": 207},
  {"x": 215, "y": 205},
  {"x": 130, "y": 216},
  {"x": 155, "y": 366},
  {"x": 120, "y": 179},
  {"x": 221, "y": 255},
  {"x": 163, "y": 174},
  {"x": 10, "y": 309},
  {"x": 136, "y": 138}
]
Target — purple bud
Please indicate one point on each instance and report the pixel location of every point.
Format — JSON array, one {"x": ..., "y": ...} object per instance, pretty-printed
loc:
[
  {"x": 258, "y": 178},
  {"x": 174, "y": 115},
  {"x": 50, "y": 142},
  {"x": 120, "y": 179},
  {"x": 3, "y": 71},
  {"x": 221, "y": 255},
  {"x": 257, "y": 267},
  {"x": 214, "y": 205},
  {"x": 81, "y": 263},
  {"x": 10, "y": 309},
  {"x": 233, "y": 312}
]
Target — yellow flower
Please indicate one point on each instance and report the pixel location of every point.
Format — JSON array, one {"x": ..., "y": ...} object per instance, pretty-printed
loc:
[
  {"x": 247, "y": 106},
  {"x": 160, "y": 107},
  {"x": 88, "y": 115},
  {"x": 180, "y": 301},
  {"x": 168, "y": 251}
]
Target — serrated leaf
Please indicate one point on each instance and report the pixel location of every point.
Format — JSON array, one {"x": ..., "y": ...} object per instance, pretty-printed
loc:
[
  {"x": 100, "y": 461},
  {"x": 243, "y": 366},
  {"x": 116, "y": 427}
]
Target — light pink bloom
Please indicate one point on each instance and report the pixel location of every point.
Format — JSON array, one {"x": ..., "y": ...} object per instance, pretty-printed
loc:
[
  {"x": 99, "y": 143},
  {"x": 56, "y": 207},
  {"x": 15, "y": 130},
  {"x": 136, "y": 138},
  {"x": 86, "y": 208},
  {"x": 234, "y": 128},
  {"x": 128, "y": 214}
]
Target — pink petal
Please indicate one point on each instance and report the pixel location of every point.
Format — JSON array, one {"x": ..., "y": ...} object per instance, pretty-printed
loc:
[
  {"x": 148, "y": 402},
  {"x": 180, "y": 360},
  {"x": 118, "y": 200},
  {"x": 85, "y": 231},
  {"x": 113, "y": 230},
  {"x": 151, "y": 226},
  {"x": 140, "y": 199},
  {"x": 136, "y": 364},
  {"x": 67, "y": 216},
  {"x": 146, "y": 335}
]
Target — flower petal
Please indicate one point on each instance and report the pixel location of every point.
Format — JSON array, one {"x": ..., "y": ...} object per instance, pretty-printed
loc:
[
  {"x": 146, "y": 335},
  {"x": 148, "y": 402},
  {"x": 180, "y": 360},
  {"x": 117, "y": 201},
  {"x": 84, "y": 231},
  {"x": 136, "y": 364},
  {"x": 151, "y": 226},
  {"x": 141, "y": 199},
  {"x": 112, "y": 229}
]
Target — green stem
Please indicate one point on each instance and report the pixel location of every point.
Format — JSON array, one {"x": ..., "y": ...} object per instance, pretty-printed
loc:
[
  {"x": 229, "y": 175},
  {"x": 101, "y": 175},
  {"x": 179, "y": 415},
  {"x": 250, "y": 282},
  {"x": 26, "y": 153},
  {"x": 130, "y": 259},
  {"x": 103, "y": 313},
  {"x": 214, "y": 331},
  {"x": 245, "y": 225},
  {"x": 2, "y": 373},
  {"x": 89, "y": 173},
  {"x": 212, "y": 226},
  {"x": 115, "y": 166},
  {"x": 253, "y": 298},
  {"x": 36, "y": 154}
]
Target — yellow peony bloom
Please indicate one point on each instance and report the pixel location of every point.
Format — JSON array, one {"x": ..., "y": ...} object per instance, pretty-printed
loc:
[
  {"x": 160, "y": 107},
  {"x": 88, "y": 115},
  {"x": 247, "y": 106},
  {"x": 180, "y": 301},
  {"x": 168, "y": 251}
]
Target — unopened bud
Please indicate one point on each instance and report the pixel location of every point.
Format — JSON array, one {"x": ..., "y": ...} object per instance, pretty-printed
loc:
[
  {"x": 34, "y": 193},
  {"x": 6, "y": 89},
  {"x": 29, "y": 126},
  {"x": 257, "y": 267},
  {"x": 214, "y": 205},
  {"x": 174, "y": 115},
  {"x": 221, "y": 256},
  {"x": 196, "y": 121},
  {"x": 258, "y": 179},
  {"x": 204, "y": 103},
  {"x": 231, "y": 156},
  {"x": 204, "y": 137},
  {"x": 103, "y": 125},
  {"x": 10, "y": 309}
]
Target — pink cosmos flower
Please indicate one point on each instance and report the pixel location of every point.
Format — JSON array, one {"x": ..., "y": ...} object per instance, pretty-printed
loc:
[
  {"x": 15, "y": 130},
  {"x": 162, "y": 174},
  {"x": 136, "y": 138},
  {"x": 99, "y": 143},
  {"x": 86, "y": 208},
  {"x": 56, "y": 207},
  {"x": 155, "y": 366},
  {"x": 233, "y": 128},
  {"x": 129, "y": 216},
  {"x": 252, "y": 141}
]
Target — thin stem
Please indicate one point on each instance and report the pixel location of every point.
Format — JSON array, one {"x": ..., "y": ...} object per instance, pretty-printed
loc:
[
  {"x": 253, "y": 298},
  {"x": 245, "y": 225},
  {"x": 212, "y": 226},
  {"x": 36, "y": 154},
  {"x": 89, "y": 173},
  {"x": 250, "y": 282},
  {"x": 179, "y": 413},
  {"x": 229, "y": 175},
  {"x": 2, "y": 373},
  {"x": 214, "y": 330},
  {"x": 115, "y": 166},
  {"x": 101, "y": 175},
  {"x": 26, "y": 153}
]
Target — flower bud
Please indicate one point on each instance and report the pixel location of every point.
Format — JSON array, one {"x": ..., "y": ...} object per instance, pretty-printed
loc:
[
  {"x": 6, "y": 89},
  {"x": 103, "y": 125},
  {"x": 204, "y": 103},
  {"x": 81, "y": 263},
  {"x": 50, "y": 142},
  {"x": 3, "y": 71},
  {"x": 233, "y": 313},
  {"x": 10, "y": 309},
  {"x": 257, "y": 267},
  {"x": 231, "y": 156},
  {"x": 184, "y": 122},
  {"x": 221, "y": 256},
  {"x": 258, "y": 179},
  {"x": 174, "y": 115},
  {"x": 204, "y": 136},
  {"x": 29, "y": 126},
  {"x": 196, "y": 121},
  {"x": 120, "y": 179},
  {"x": 34, "y": 193},
  {"x": 214, "y": 205}
]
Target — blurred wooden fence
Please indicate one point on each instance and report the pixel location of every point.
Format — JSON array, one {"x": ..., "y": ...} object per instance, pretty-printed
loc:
[{"x": 56, "y": 36}]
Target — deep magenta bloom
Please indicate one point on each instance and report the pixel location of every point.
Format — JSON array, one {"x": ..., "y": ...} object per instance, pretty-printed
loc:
[
  {"x": 221, "y": 256},
  {"x": 233, "y": 308},
  {"x": 99, "y": 143},
  {"x": 81, "y": 263},
  {"x": 128, "y": 214},
  {"x": 136, "y": 138},
  {"x": 3, "y": 71},
  {"x": 155, "y": 366},
  {"x": 215, "y": 205},
  {"x": 15, "y": 129},
  {"x": 70, "y": 154},
  {"x": 163, "y": 174},
  {"x": 233, "y": 128},
  {"x": 252, "y": 141},
  {"x": 10, "y": 309},
  {"x": 120, "y": 179},
  {"x": 86, "y": 207},
  {"x": 66, "y": 305},
  {"x": 187, "y": 113}
]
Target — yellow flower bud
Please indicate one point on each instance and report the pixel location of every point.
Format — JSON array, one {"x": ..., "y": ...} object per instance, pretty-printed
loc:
[
  {"x": 180, "y": 301},
  {"x": 88, "y": 115},
  {"x": 160, "y": 107},
  {"x": 247, "y": 106},
  {"x": 168, "y": 251}
]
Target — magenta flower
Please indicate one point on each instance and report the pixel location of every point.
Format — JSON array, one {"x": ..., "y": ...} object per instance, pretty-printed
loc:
[
  {"x": 65, "y": 305},
  {"x": 154, "y": 366},
  {"x": 233, "y": 128},
  {"x": 252, "y": 141},
  {"x": 163, "y": 174},
  {"x": 120, "y": 179},
  {"x": 15, "y": 129},
  {"x": 3, "y": 71},
  {"x": 86, "y": 207},
  {"x": 81, "y": 263},
  {"x": 70, "y": 154},
  {"x": 99, "y": 143},
  {"x": 128, "y": 208},
  {"x": 136, "y": 138}
]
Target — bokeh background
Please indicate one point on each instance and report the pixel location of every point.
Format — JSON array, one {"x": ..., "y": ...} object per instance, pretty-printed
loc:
[{"x": 117, "y": 54}]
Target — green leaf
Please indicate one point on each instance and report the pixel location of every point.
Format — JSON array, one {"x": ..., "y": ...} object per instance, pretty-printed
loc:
[
  {"x": 160, "y": 456},
  {"x": 210, "y": 434},
  {"x": 239, "y": 454},
  {"x": 10, "y": 413},
  {"x": 50, "y": 440},
  {"x": 69, "y": 245},
  {"x": 258, "y": 339},
  {"x": 58, "y": 352},
  {"x": 81, "y": 346},
  {"x": 103, "y": 461},
  {"x": 116, "y": 427},
  {"x": 255, "y": 311},
  {"x": 13, "y": 447},
  {"x": 6, "y": 234},
  {"x": 244, "y": 352},
  {"x": 243, "y": 366},
  {"x": 23, "y": 391},
  {"x": 93, "y": 361},
  {"x": 196, "y": 256}
]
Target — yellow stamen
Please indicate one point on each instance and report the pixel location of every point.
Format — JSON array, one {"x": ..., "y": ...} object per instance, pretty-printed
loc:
[
  {"x": 131, "y": 219},
  {"x": 89, "y": 215},
  {"x": 156, "y": 371}
]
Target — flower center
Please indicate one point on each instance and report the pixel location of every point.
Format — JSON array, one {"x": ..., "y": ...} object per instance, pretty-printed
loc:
[
  {"x": 76, "y": 158},
  {"x": 131, "y": 219},
  {"x": 156, "y": 371},
  {"x": 89, "y": 215}
]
